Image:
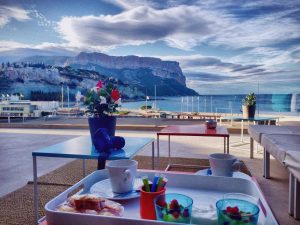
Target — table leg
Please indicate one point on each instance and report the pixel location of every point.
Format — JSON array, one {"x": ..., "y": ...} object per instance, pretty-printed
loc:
[
  {"x": 169, "y": 144},
  {"x": 266, "y": 164},
  {"x": 101, "y": 163},
  {"x": 291, "y": 193},
  {"x": 251, "y": 148},
  {"x": 35, "y": 191},
  {"x": 158, "y": 166},
  {"x": 296, "y": 199},
  {"x": 225, "y": 145},
  {"x": 83, "y": 168},
  {"x": 242, "y": 131},
  {"x": 153, "y": 155},
  {"x": 228, "y": 144}
]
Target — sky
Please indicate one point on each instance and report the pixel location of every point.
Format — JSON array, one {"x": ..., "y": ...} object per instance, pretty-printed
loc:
[{"x": 223, "y": 47}]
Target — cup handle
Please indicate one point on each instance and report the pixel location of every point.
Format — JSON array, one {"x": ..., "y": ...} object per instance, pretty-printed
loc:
[
  {"x": 237, "y": 165},
  {"x": 127, "y": 174}
]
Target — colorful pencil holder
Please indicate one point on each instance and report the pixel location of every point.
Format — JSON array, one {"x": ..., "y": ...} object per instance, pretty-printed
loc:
[{"x": 147, "y": 208}]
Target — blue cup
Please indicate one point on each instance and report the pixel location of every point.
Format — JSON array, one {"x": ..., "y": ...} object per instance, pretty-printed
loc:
[{"x": 237, "y": 211}]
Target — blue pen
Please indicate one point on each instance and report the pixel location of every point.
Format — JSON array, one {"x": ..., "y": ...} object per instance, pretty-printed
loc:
[{"x": 153, "y": 187}]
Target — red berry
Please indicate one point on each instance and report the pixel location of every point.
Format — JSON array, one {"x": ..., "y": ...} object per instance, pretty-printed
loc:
[
  {"x": 176, "y": 214},
  {"x": 174, "y": 204},
  {"x": 161, "y": 203},
  {"x": 235, "y": 210},
  {"x": 232, "y": 210}
]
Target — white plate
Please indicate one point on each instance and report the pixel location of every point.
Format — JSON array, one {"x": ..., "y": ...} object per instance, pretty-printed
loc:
[
  {"x": 237, "y": 174},
  {"x": 103, "y": 188}
]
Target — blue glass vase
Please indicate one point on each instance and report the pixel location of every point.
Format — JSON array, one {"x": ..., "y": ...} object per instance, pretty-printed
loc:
[{"x": 108, "y": 122}]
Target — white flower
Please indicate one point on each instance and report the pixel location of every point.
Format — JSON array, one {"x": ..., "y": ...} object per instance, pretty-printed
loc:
[
  {"x": 94, "y": 89},
  {"x": 102, "y": 100},
  {"x": 118, "y": 101}
]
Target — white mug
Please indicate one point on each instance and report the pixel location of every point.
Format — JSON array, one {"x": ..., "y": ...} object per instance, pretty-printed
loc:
[
  {"x": 223, "y": 164},
  {"x": 122, "y": 174}
]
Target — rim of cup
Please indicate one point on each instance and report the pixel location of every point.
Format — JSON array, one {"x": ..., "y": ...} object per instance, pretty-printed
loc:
[
  {"x": 220, "y": 156},
  {"x": 219, "y": 205},
  {"x": 170, "y": 194},
  {"x": 119, "y": 163}
]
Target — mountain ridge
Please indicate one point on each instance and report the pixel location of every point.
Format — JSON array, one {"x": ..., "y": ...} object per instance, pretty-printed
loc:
[{"x": 140, "y": 73}]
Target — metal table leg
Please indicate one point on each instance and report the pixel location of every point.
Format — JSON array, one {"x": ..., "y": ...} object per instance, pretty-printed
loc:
[
  {"x": 169, "y": 148},
  {"x": 153, "y": 155},
  {"x": 83, "y": 167},
  {"x": 251, "y": 148},
  {"x": 158, "y": 166},
  {"x": 242, "y": 131},
  {"x": 101, "y": 163},
  {"x": 225, "y": 145},
  {"x": 266, "y": 164},
  {"x": 35, "y": 191},
  {"x": 228, "y": 144},
  {"x": 296, "y": 199},
  {"x": 291, "y": 194}
]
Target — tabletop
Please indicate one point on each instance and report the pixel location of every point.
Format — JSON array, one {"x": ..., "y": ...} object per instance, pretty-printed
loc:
[
  {"x": 82, "y": 148},
  {"x": 257, "y": 118},
  {"x": 194, "y": 130}
]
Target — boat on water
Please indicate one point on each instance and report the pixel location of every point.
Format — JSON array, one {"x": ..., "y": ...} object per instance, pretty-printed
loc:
[{"x": 70, "y": 111}]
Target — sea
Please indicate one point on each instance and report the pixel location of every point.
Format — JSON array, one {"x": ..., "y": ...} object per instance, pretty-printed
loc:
[{"x": 282, "y": 104}]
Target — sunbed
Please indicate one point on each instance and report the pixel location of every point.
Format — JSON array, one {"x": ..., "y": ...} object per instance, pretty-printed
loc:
[
  {"x": 256, "y": 132},
  {"x": 286, "y": 149}
]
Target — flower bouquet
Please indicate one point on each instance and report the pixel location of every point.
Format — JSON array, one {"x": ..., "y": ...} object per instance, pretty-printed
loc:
[{"x": 102, "y": 100}]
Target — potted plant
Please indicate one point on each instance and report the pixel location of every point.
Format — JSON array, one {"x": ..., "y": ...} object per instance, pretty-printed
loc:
[
  {"x": 102, "y": 102},
  {"x": 249, "y": 106}
]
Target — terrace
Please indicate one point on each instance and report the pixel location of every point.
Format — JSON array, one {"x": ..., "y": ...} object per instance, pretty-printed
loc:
[{"x": 187, "y": 150}]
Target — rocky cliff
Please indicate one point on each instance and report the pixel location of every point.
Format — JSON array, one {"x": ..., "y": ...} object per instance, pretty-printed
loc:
[
  {"x": 138, "y": 74},
  {"x": 163, "y": 69}
]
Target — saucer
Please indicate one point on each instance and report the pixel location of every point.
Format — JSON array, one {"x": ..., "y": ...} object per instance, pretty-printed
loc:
[
  {"x": 103, "y": 188},
  {"x": 236, "y": 174}
]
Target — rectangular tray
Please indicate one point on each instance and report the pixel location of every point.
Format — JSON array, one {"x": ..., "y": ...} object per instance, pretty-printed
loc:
[{"x": 204, "y": 190}]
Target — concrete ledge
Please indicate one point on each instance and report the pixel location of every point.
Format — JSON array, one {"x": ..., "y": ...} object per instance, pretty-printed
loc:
[{"x": 232, "y": 130}]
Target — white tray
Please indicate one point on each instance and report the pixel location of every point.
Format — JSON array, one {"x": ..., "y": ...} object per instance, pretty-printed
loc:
[{"x": 203, "y": 190}]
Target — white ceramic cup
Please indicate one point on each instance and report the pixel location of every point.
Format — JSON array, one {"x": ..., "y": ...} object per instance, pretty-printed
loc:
[
  {"x": 223, "y": 164},
  {"x": 122, "y": 174}
]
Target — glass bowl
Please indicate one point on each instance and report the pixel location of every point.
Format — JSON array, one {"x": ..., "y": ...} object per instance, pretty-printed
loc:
[
  {"x": 237, "y": 212},
  {"x": 173, "y": 208}
]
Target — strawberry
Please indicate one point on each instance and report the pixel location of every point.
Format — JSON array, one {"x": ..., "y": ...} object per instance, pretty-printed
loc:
[
  {"x": 176, "y": 214},
  {"x": 174, "y": 204},
  {"x": 232, "y": 210},
  {"x": 161, "y": 203},
  {"x": 235, "y": 210}
]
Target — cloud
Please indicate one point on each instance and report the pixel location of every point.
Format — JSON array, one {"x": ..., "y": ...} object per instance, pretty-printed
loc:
[
  {"x": 31, "y": 49},
  {"x": 9, "y": 45},
  {"x": 8, "y": 13},
  {"x": 181, "y": 27},
  {"x": 42, "y": 20},
  {"x": 205, "y": 63},
  {"x": 186, "y": 26}
]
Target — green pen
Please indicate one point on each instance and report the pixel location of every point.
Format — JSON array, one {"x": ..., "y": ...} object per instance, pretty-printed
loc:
[
  {"x": 159, "y": 182},
  {"x": 146, "y": 183}
]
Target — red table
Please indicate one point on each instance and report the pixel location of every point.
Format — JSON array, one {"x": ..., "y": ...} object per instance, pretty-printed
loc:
[{"x": 193, "y": 130}]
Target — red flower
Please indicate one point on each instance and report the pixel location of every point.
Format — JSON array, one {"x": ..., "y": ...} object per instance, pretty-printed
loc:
[
  {"x": 115, "y": 95},
  {"x": 99, "y": 85}
]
